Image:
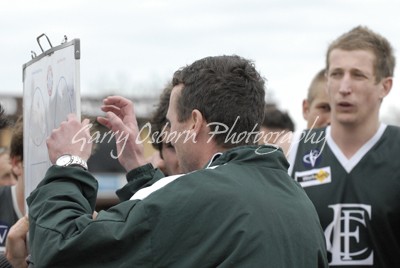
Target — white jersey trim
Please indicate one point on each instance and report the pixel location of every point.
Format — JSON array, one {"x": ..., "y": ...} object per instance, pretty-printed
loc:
[
  {"x": 145, "y": 192},
  {"x": 349, "y": 164},
  {"x": 15, "y": 202},
  {"x": 291, "y": 154}
]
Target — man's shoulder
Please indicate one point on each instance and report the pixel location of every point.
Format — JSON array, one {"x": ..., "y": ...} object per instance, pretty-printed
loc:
[
  {"x": 392, "y": 129},
  {"x": 389, "y": 140}
]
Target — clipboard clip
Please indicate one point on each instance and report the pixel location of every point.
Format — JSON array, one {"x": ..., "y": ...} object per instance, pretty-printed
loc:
[
  {"x": 65, "y": 40},
  {"x": 33, "y": 54},
  {"x": 48, "y": 40}
]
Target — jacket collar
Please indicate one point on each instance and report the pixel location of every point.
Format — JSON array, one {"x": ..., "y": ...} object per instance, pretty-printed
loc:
[{"x": 264, "y": 155}]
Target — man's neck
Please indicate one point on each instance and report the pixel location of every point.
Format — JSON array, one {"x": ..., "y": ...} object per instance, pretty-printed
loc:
[
  {"x": 206, "y": 152},
  {"x": 350, "y": 137}
]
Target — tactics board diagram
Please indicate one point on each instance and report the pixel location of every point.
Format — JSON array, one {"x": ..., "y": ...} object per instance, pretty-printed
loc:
[{"x": 51, "y": 92}]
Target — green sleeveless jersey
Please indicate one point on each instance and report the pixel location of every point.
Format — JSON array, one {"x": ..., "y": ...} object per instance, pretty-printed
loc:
[
  {"x": 8, "y": 216},
  {"x": 357, "y": 199}
]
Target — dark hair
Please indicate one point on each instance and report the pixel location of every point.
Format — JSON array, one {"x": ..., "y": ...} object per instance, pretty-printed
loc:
[
  {"x": 362, "y": 38},
  {"x": 277, "y": 119},
  {"x": 4, "y": 122},
  {"x": 222, "y": 88},
  {"x": 17, "y": 140},
  {"x": 159, "y": 119}
]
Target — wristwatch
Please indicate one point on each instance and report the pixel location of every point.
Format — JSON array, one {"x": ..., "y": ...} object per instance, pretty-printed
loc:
[{"x": 67, "y": 160}]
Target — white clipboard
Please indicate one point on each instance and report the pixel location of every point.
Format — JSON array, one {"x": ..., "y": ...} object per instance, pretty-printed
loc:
[{"x": 51, "y": 84}]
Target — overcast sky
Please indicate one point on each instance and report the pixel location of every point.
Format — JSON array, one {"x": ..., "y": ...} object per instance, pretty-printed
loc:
[{"x": 132, "y": 47}]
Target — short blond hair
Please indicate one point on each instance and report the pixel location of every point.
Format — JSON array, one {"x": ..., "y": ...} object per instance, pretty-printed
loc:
[
  {"x": 312, "y": 89},
  {"x": 362, "y": 38}
]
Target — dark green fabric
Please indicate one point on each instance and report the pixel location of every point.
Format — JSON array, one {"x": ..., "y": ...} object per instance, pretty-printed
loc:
[
  {"x": 243, "y": 211},
  {"x": 138, "y": 178},
  {"x": 7, "y": 214}
]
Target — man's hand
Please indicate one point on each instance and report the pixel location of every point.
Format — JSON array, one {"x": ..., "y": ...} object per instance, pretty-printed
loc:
[
  {"x": 121, "y": 119},
  {"x": 72, "y": 137},
  {"x": 16, "y": 246}
]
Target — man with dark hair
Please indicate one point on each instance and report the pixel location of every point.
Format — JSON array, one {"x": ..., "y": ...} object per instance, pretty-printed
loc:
[
  {"x": 12, "y": 205},
  {"x": 352, "y": 174},
  {"x": 165, "y": 156},
  {"x": 220, "y": 99},
  {"x": 276, "y": 123},
  {"x": 3, "y": 228},
  {"x": 236, "y": 206},
  {"x": 6, "y": 177}
]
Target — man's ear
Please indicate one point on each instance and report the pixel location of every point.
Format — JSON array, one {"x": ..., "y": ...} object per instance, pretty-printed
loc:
[
  {"x": 387, "y": 84},
  {"x": 16, "y": 166},
  {"x": 197, "y": 121},
  {"x": 306, "y": 109}
]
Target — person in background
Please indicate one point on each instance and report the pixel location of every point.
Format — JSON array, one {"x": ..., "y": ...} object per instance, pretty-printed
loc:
[
  {"x": 3, "y": 261},
  {"x": 316, "y": 107},
  {"x": 12, "y": 205},
  {"x": 165, "y": 157},
  {"x": 6, "y": 177},
  {"x": 350, "y": 169},
  {"x": 275, "y": 124},
  {"x": 316, "y": 111}
]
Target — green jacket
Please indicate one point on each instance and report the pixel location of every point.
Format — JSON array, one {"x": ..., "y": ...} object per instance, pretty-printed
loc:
[{"x": 242, "y": 210}]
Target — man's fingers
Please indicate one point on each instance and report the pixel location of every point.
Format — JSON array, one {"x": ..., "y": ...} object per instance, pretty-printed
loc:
[
  {"x": 85, "y": 122},
  {"x": 19, "y": 229},
  {"x": 112, "y": 122},
  {"x": 117, "y": 101},
  {"x": 111, "y": 108},
  {"x": 71, "y": 117},
  {"x": 104, "y": 121},
  {"x": 119, "y": 105}
]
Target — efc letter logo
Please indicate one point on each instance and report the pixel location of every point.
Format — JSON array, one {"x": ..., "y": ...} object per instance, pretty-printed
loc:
[{"x": 346, "y": 235}]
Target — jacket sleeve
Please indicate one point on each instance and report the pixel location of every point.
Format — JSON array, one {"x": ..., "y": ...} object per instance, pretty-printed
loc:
[
  {"x": 138, "y": 178},
  {"x": 63, "y": 233}
]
